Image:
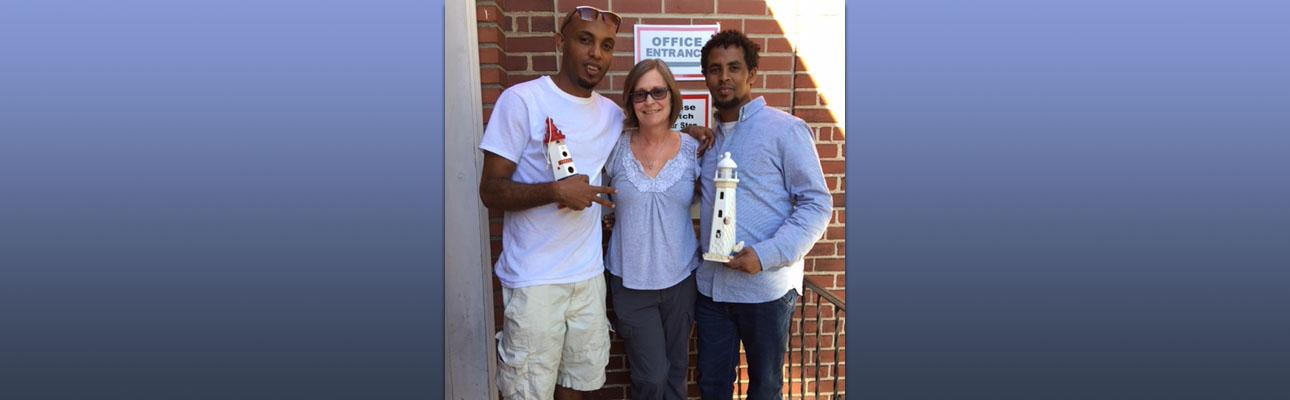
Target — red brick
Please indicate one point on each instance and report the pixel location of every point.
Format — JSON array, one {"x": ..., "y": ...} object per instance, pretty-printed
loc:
[
  {"x": 507, "y": 24},
  {"x": 840, "y": 215},
  {"x": 835, "y": 233},
  {"x": 544, "y": 63},
  {"x": 834, "y": 167},
  {"x": 491, "y": 75},
  {"x": 821, "y": 249},
  {"x": 528, "y": 5},
  {"x": 838, "y": 134},
  {"x": 688, "y": 6},
  {"x": 542, "y": 24},
  {"x": 515, "y": 79},
  {"x": 564, "y": 6},
  {"x": 488, "y": 14},
  {"x": 809, "y": 341},
  {"x": 726, "y": 23},
  {"x": 530, "y": 44},
  {"x": 638, "y": 6},
  {"x": 490, "y": 55},
  {"x": 622, "y": 63},
  {"x": 763, "y": 26},
  {"x": 830, "y": 264},
  {"x": 490, "y": 34},
  {"x": 823, "y": 134},
  {"x": 749, "y": 7},
  {"x": 488, "y": 112},
  {"x": 775, "y": 64},
  {"x": 805, "y": 98},
  {"x": 823, "y": 385},
  {"x": 833, "y": 135},
  {"x": 626, "y": 27},
  {"x": 827, "y": 150},
  {"x": 665, "y": 21},
  {"x": 515, "y": 63},
  {"x": 804, "y": 80},
  {"x": 695, "y": 86},
  {"x": 815, "y": 115},
  {"x": 831, "y": 182},
  {"x": 776, "y": 99},
  {"x": 777, "y": 81},
  {"x": 778, "y": 45},
  {"x": 490, "y": 95},
  {"x": 522, "y": 24}
]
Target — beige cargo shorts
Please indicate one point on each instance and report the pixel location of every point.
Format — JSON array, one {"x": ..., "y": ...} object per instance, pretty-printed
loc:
[{"x": 553, "y": 334}]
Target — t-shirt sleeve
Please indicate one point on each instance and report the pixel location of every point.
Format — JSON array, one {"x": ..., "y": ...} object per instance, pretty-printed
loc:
[{"x": 507, "y": 132}]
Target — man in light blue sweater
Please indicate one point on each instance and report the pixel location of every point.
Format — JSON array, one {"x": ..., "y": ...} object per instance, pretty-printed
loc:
[{"x": 783, "y": 206}]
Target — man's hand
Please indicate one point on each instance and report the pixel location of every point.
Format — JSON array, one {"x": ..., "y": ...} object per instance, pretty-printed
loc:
[
  {"x": 576, "y": 192},
  {"x": 704, "y": 135},
  {"x": 746, "y": 261},
  {"x": 608, "y": 221}
]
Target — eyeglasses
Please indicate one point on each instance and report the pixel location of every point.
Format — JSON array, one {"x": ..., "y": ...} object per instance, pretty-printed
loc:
[
  {"x": 588, "y": 13},
  {"x": 658, "y": 93}
]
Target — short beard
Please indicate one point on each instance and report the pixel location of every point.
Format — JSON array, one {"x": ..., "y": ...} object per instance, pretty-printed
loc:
[
  {"x": 585, "y": 84},
  {"x": 725, "y": 105}
]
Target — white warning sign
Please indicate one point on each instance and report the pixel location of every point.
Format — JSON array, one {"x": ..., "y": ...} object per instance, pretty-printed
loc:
[{"x": 677, "y": 45}]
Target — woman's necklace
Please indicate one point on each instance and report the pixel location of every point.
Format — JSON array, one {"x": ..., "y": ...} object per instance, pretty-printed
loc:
[{"x": 652, "y": 156}]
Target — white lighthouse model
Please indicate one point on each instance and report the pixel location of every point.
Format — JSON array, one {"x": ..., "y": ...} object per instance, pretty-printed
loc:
[
  {"x": 557, "y": 153},
  {"x": 721, "y": 243}
]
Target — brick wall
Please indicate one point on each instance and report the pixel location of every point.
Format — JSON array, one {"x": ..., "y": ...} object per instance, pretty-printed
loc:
[{"x": 516, "y": 44}]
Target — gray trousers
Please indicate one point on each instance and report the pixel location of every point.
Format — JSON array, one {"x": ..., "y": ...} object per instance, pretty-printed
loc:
[{"x": 655, "y": 326}]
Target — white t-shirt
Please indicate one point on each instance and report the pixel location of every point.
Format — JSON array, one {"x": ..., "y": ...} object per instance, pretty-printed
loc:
[{"x": 545, "y": 244}]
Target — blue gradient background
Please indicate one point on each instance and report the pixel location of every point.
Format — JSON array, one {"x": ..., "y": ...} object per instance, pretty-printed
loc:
[
  {"x": 241, "y": 199},
  {"x": 221, "y": 199},
  {"x": 1069, "y": 199}
]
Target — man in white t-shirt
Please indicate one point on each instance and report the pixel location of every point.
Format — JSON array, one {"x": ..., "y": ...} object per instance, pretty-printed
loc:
[{"x": 555, "y": 338}]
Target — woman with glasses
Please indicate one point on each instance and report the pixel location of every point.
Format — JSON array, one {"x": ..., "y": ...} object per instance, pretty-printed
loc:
[{"x": 653, "y": 250}]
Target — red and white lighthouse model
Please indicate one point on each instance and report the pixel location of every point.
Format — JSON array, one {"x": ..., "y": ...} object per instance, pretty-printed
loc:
[
  {"x": 557, "y": 153},
  {"x": 721, "y": 243}
]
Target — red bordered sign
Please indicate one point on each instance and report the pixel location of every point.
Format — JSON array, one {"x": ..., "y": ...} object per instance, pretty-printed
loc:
[
  {"x": 677, "y": 45},
  {"x": 696, "y": 109}
]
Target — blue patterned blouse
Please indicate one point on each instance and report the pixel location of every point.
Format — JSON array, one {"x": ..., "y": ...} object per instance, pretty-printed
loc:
[{"x": 653, "y": 245}]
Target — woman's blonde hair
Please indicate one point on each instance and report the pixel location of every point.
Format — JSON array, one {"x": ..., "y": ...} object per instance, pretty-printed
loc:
[{"x": 653, "y": 64}]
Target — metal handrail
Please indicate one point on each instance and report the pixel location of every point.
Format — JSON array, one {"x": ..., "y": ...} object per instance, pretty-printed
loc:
[{"x": 838, "y": 305}]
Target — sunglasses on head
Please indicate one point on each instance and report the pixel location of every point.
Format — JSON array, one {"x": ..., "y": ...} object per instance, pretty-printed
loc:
[
  {"x": 658, "y": 93},
  {"x": 588, "y": 13}
]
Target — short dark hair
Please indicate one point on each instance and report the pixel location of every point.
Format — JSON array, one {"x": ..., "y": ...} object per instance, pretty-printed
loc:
[
  {"x": 653, "y": 64},
  {"x": 729, "y": 38}
]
